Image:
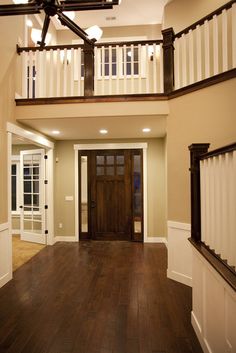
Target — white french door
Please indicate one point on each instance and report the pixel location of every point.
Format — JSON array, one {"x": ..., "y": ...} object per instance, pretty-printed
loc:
[{"x": 33, "y": 193}]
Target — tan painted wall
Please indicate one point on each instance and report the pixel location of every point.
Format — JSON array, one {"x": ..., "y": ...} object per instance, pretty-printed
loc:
[
  {"x": 151, "y": 32},
  {"x": 8, "y": 40},
  {"x": 64, "y": 186},
  {"x": 180, "y": 14},
  {"x": 207, "y": 115}
]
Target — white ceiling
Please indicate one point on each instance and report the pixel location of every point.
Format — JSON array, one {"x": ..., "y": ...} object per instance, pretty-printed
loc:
[
  {"x": 88, "y": 128},
  {"x": 128, "y": 13}
]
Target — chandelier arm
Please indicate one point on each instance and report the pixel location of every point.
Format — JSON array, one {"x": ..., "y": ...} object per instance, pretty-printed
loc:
[
  {"x": 20, "y": 9},
  {"x": 44, "y": 31}
]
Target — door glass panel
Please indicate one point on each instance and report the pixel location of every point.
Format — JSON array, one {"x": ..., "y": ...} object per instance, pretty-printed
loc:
[
  {"x": 27, "y": 199},
  {"x": 84, "y": 193},
  {"x": 100, "y": 170},
  {"x": 36, "y": 200},
  {"x": 120, "y": 160},
  {"x": 35, "y": 186},
  {"x": 110, "y": 170},
  {"x": 27, "y": 186},
  {"x": 137, "y": 194},
  {"x": 120, "y": 170},
  {"x": 110, "y": 159},
  {"x": 100, "y": 160}
]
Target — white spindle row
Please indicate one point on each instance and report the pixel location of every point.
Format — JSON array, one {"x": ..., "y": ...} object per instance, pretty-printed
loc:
[
  {"x": 118, "y": 70},
  {"x": 218, "y": 205},
  {"x": 207, "y": 50}
]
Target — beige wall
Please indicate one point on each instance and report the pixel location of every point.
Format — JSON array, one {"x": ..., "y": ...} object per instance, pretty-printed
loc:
[
  {"x": 64, "y": 186},
  {"x": 11, "y": 28},
  {"x": 207, "y": 115},
  {"x": 180, "y": 14},
  {"x": 150, "y": 31}
]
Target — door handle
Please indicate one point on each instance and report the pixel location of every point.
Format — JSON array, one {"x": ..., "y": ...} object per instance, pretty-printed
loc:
[
  {"x": 21, "y": 207},
  {"x": 93, "y": 204}
]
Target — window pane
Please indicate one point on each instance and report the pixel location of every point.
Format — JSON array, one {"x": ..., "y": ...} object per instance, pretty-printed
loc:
[
  {"x": 135, "y": 54},
  {"x": 135, "y": 68},
  {"x": 113, "y": 69},
  {"x": 27, "y": 199},
  {"x": 128, "y": 68},
  {"x": 100, "y": 160},
  {"x": 106, "y": 69},
  {"x": 36, "y": 200},
  {"x": 35, "y": 187},
  {"x": 84, "y": 193},
  {"x": 110, "y": 170},
  {"x": 13, "y": 193},
  {"x": 120, "y": 170},
  {"x": 100, "y": 170},
  {"x": 110, "y": 159},
  {"x": 120, "y": 160},
  {"x": 13, "y": 169},
  {"x": 27, "y": 186}
]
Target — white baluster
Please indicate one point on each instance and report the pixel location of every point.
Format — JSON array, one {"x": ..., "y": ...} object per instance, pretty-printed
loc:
[
  {"x": 58, "y": 74},
  {"x": 51, "y": 73},
  {"x": 215, "y": 46},
  {"x": 79, "y": 62},
  {"x": 203, "y": 199},
  {"x": 234, "y": 208},
  {"x": 234, "y": 35},
  {"x": 199, "y": 53},
  {"x": 30, "y": 72},
  {"x": 103, "y": 69},
  {"x": 95, "y": 70},
  {"x": 184, "y": 60},
  {"x": 110, "y": 69},
  {"x": 72, "y": 66},
  {"x": 207, "y": 49},
  {"x": 65, "y": 67},
  {"x": 213, "y": 203},
  {"x": 118, "y": 74},
  {"x": 154, "y": 62},
  {"x": 191, "y": 58},
  {"x": 224, "y": 40},
  {"x": 132, "y": 69},
  {"x": 224, "y": 215},
  {"x": 217, "y": 191},
  {"x": 125, "y": 69},
  {"x": 231, "y": 209},
  {"x": 207, "y": 197},
  {"x": 37, "y": 74},
  {"x": 147, "y": 70},
  {"x": 161, "y": 70},
  {"x": 177, "y": 63},
  {"x": 24, "y": 73},
  {"x": 139, "y": 68}
]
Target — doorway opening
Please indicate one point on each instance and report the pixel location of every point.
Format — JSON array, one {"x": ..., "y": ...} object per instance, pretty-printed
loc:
[{"x": 111, "y": 192}]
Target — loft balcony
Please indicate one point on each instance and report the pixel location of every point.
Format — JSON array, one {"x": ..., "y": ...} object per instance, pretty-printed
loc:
[{"x": 201, "y": 54}]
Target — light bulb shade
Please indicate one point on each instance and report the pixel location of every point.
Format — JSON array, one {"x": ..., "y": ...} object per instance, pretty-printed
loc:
[
  {"x": 36, "y": 36},
  {"x": 70, "y": 14},
  {"x": 94, "y": 32}
]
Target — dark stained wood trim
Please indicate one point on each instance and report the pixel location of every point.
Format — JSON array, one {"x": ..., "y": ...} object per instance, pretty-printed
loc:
[
  {"x": 94, "y": 99},
  {"x": 219, "y": 151},
  {"x": 224, "y": 76},
  {"x": 168, "y": 59},
  {"x": 227, "y": 273},
  {"x": 200, "y": 22},
  {"x": 98, "y": 45}
]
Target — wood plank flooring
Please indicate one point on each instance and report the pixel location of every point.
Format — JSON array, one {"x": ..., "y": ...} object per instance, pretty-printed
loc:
[{"x": 96, "y": 297}]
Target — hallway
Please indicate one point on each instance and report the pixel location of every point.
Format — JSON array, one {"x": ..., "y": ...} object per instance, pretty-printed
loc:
[{"x": 96, "y": 297}]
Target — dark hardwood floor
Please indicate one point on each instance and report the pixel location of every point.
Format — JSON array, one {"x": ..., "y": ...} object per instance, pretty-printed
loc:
[{"x": 96, "y": 297}]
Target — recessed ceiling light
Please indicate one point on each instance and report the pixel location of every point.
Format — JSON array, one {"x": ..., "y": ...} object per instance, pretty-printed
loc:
[
  {"x": 55, "y": 132},
  {"x": 146, "y": 129},
  {"x": 103, "y": 131}
]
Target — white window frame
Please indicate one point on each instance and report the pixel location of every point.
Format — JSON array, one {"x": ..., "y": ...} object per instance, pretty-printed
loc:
[{"x": 16, "y": 160}]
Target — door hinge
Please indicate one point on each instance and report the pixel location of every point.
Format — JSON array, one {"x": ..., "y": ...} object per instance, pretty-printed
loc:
[
  {"x": 45, "y": 182},
  {"x": 46, "y": 231},
  {"x": 45, "y": 156},
  {"x": 46, "y": 207}
]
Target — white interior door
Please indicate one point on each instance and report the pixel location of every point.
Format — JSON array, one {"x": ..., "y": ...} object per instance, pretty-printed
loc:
[{"x": 32, "y": 180}]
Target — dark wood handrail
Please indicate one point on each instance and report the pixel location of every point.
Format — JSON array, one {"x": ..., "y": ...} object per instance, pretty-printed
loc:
[
  {"x": 219, "y": 151},
  {"x": 209, "y": 17},
  {"x": 76, "y": 46}
]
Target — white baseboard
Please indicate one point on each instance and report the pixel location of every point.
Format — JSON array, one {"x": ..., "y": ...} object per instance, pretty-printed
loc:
[
  {"x": 65, "y": 238},
  {"x": 155, "y": 240},
  {"x": 179, "y": 277},
  {"x": 179, "y": 253},
  {"x": 4, "y": 279},
  {"x": 198, "y": 330}
]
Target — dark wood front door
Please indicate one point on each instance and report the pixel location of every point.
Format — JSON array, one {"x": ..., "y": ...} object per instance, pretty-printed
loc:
[
  {"x": 111, "y": 209},
  {"x": 111, "y": 195}
]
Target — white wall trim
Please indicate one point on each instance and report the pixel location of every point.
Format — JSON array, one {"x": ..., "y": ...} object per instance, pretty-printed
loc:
[
  {"x": 30, "y": 135},
  {"x": 4, "y": 226},
  {"x": 65, "y": 238},
  {"x": 179, "y": 252},
  {"x": 156, "y": 240},
  {"x": 110, "y": 146},
  {"x": 15, "y": 231}
]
